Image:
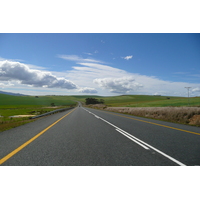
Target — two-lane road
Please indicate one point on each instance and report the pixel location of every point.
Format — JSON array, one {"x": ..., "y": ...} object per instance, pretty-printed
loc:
[{"x": 89, "y": 137}]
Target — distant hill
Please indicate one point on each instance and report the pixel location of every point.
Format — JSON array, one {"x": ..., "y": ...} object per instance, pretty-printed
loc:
[{"x": 13, "y": 94}]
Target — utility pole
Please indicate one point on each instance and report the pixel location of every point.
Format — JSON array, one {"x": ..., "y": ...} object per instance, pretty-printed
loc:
[{"x": 188, "y": 88}]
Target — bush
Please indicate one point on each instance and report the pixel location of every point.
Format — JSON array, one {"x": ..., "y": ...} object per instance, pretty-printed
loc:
[{"x": 93, "y": 101}]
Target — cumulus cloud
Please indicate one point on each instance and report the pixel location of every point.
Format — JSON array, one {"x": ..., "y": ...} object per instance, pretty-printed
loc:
[
  {"x": 119, "y": 85},
  {"x": 127, "y": 57},
  {"x": 109, "y": 79},
  {"x": 15, "y": 71},
  {"x": 196, "y": 90},
  {"x": 2, "y": 85},
  {"x": 87, "y": 90}
]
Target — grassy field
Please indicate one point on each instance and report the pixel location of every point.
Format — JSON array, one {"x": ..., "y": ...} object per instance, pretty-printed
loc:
[
  {"x": 114, "y": 101},
  {"x": 31, "y": 105},
  {"x": 142, "y": 100},
  {"x": 28, "y": 105},
  {"x": 149, "y": 101},
  {"x": 8, "y": 100},
  {"x": 173, "y": 109}
]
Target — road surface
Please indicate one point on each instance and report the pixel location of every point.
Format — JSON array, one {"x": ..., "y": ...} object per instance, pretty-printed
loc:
[{"x": 89, "y": 137}]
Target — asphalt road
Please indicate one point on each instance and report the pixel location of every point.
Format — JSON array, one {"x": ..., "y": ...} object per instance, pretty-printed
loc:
[{"x": 89, "y": 137}]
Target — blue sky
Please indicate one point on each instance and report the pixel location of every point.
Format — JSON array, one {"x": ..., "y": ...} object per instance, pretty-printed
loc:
[{"x": 100, "y": 63}]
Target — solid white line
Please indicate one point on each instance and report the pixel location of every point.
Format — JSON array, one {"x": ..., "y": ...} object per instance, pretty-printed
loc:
[
  {"x": 169, "y": 157},
  {"x": 131, "y": 136},
  {"x": 164, "y": 154},
  {"x": 132, "y": 139}
]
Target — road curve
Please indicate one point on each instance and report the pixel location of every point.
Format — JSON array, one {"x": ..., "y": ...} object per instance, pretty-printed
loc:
[{"x": 89, "y": 137}]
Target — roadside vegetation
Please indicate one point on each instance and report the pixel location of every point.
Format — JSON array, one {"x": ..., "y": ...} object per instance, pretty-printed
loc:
[
  {"x": 183, "y": 115},
  {"x": 93, "y": 101},
  {"x": 25, "y": 106},
  {"x": 168, "y": 108},
  {"x": 8, "y": 100},
  {"x": 11, "y": 117},
  {"x": 172, "y": 109},
  {"x": 149, "y": 101}
]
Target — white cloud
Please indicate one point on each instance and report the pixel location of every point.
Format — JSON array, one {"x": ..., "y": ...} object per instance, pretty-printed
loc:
[
  {"x": 85, "y": 72},
  {"x": 78, "y": 59},
  {"x": 127, "y": 57},
  {"x": 7, "y": 84},
  {"x": 119, "y": 85},
  {"x": 196, "y": 89},
  {"x": 90, "y": 75},
  {"x": 15, "y": 71},
  {"x": 20, "y": 73},
  {"x": 103, "y": 68},
  {"x": 87, "y": 90}
]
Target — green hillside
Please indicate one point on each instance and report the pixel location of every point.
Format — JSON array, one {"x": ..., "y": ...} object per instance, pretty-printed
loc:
[
  {"x": 123, "y": 100},
  {"x": 26, "y": 105},
  {"x": 150, "y": 101},
  {"x": 18, "y": 101}
]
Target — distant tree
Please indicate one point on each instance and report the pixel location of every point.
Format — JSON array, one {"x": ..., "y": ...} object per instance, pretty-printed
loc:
[
  {"x": 52, "y": 104},
  {"x": 93, "y": 101}
]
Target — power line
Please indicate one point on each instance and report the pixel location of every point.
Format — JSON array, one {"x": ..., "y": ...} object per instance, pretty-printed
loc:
[{"x": 188, "y": 88}]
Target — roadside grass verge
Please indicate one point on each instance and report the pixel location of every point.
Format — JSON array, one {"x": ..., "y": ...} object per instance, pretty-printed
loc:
[
  {"x": 13, "y": 122},
  {"x": 172, "y": 109},
  {"x": 28, "y": 105},
  {"x": 8, "y": 122},
  {"x": 183, "y": 115},
  {"x": 8, "y": 111},
  {"x": 138, "y": 105}
]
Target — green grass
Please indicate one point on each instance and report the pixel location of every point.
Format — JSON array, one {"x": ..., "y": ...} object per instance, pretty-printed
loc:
[
  {"x": 8, "y": 101},
  {"x": 6, "y": 112},
  {"x": 28, "y": 105},
  {"x": 7, "y": 122},
  {"x": 32, "y": 101},
  {"x": 24, "y": 105},
  {"x": 149, "y": 101}
]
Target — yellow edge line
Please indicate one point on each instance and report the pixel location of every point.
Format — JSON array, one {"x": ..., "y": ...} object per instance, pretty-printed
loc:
[
  {"x": 155, "y": 124},
  {"x": 31, "y": 140}
]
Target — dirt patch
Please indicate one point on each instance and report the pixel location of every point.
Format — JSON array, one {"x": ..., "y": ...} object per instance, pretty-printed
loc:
[
  {"x": 195, "y": 120},
  {"x": 16, "y": 116}
]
